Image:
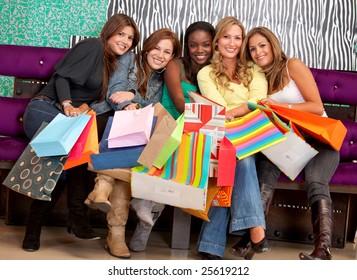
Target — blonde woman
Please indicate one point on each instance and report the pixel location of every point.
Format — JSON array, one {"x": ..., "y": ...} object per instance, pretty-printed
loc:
[{"x": 232, "y": 84}]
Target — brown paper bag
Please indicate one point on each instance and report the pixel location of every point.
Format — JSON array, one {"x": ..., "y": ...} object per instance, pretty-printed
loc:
[{"x": 163, "y": 133}]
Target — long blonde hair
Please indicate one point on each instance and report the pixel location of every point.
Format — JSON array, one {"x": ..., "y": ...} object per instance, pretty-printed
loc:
[{"x": 219, "y": 73}]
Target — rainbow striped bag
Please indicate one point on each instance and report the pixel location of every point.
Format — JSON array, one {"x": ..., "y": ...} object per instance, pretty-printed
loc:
[
  {"x": 183, "y": 180},
  {"x": 252, "y": 133}
]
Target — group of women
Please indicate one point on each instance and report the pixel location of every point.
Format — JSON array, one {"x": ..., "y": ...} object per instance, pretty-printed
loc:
[{"x": 225, "y": 65}]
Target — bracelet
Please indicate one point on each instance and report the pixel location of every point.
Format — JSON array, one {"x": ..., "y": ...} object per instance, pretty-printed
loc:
[{"x": 66, "y": 104}]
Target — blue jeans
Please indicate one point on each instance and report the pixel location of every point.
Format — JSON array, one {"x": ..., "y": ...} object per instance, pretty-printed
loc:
[
  {"x": 246, "y": 211},
  {"x": 39, "y": 111},
  {"x": 45, "y": 110}
]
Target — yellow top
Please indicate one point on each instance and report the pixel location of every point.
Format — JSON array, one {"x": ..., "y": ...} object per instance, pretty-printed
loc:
[{"x": 258, "y": 89}]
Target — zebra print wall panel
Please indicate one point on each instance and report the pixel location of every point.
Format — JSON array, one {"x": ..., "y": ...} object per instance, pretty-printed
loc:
[{"x": 321, "y": 33}]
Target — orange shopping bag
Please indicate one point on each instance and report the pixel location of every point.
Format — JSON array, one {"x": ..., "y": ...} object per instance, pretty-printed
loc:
[
  {"x": 86, "y": 144},
  {"x": 327, "y": 130},
  {"x": 212, "y": 191}
]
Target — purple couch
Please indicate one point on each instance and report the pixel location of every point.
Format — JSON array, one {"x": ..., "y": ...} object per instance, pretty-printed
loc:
[
  {"x": 31, "y": 67},
  {"x": 336, "y": 87},
  {"x": 29, "y": 64}
]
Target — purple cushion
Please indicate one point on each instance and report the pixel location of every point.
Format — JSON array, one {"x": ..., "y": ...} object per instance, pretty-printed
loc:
[
  {"x": 346, "y": 174},
  {"x": 11, "y": 114},
  {"x": 336, "y": 87},
  {"x": 348, "y": 149},
  {"x": 11, "y": 148},
  {"x": 29, "y": 61}
]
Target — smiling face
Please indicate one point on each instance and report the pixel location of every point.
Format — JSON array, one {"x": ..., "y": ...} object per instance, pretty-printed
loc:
[
  {"x": 230, "y": 43},
  {"x": 260, "y": 50},
  {"x": 200, "y": 46},
  {"x": 160, "y": 56},
  {"x": 122, "y": 42}
]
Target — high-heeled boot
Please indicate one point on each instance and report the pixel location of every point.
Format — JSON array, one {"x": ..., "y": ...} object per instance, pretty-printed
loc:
[
  {"x": 117, "y": 218},
  {"x": 266, "y": 194},
  {"x": 99, "y": 197},
  {"x": 322, "y": 223},
  {"x": 77, "y": 191},
  {"x": 38, "y": 214},
  {"x": 143, "y": 229}
]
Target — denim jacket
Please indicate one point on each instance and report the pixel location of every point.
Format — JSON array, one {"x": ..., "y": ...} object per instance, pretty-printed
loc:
[
  {"x": 119, "y": 79},
  {"x": 154, "y": 87}
]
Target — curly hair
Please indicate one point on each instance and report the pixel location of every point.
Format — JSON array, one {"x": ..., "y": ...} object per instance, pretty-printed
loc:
[{"x": 219, "y": 73}]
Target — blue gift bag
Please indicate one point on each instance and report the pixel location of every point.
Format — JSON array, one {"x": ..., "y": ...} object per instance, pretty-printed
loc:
[{"x": 59, "y": 136}]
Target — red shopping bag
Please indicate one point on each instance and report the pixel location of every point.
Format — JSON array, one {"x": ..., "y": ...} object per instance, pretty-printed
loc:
[{"x": 86, "y": 144}]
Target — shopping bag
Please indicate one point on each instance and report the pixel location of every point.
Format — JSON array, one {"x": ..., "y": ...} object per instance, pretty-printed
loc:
[
  {"x": 59, "y": 136},
  {"x": 195, "y": 97},
  {"x": 183, "y": 180},
  {"x": 327, "y": 130},
  {"x": 207, "y": 119},
  {"x": 223, "y": 197},
  {"x": 131, "y": 127},
  {"x": 35, "y": 176},
  {"x": 212, "y": 190},
  {"x": 216, "y": 197},
  {"x": 205, "y": 116},
  {"x": 164, "y": 141},
  {"x": 87, "y": 143},
  {"x": 123, "y": 174},
  {"x": 226, "y": 163},
  {"x": 109, "y": 158},
  {"x": 78, "y": 147},
  {"x": 222, "y": 166},
  {"x": 291, "y": 155},
  {"x": 252, "y": 133}
]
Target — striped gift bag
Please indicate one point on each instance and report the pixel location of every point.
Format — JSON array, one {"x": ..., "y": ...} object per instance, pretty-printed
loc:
[
  {"x": 252, "y": 133},
  {"x": 183, "y": 180}
]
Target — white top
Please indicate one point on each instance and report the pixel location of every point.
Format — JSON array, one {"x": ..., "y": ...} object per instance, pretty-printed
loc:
[{"x": 290, "y": 93}]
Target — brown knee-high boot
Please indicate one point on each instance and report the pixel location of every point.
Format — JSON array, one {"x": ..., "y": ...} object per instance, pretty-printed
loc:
[
  {"x": 117, "y": 218},
  {"x": 98, "y": 198},
  {"x": 322, "y": 220}
]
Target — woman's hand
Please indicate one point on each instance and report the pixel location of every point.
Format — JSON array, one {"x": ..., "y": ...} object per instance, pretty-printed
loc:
[
  {"x": 121, "y": 96},
  {"x": 268, "y": 101},
  {"x": 229, "y": 116},
  {"x": 71, "y": 111}
]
